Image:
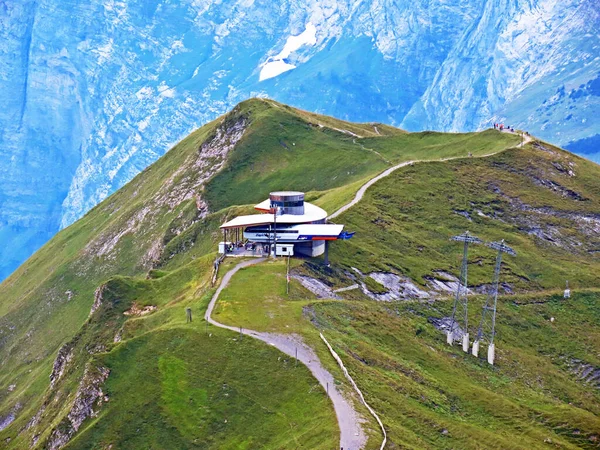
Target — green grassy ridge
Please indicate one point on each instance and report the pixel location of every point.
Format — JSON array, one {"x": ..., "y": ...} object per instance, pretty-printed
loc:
[
  {"x": 257, "y": 298},
  {"x": 404, "y": 222},
  {"x": 37, "y": 310},
  {"x": 190, "y": 396},
  {"x": 37, "y": 315},
  {"x": 421, "y": 386},
  {"x": 359, "y": 129},
  {"x": 96, "y": 335},
  {"x": 34, "y": 296},
  {"x": 35, "y": 305},
  {"x": 284, "y": 151}
]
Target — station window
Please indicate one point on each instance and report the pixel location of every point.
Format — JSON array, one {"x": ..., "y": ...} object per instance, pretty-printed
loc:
[{"x": 290, "y": 204}]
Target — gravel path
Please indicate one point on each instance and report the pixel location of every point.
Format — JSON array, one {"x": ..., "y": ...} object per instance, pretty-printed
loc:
[
  {"x": 352, "y": 436},
  {"x": 361, "y": 192},
  {"x": 526, "y": 139}
]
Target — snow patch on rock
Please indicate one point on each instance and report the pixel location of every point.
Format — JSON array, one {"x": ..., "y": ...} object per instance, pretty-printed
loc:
[{"x": 277, "y": 64}]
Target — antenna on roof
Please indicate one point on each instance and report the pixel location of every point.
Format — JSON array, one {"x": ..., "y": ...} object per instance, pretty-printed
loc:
[
  {"x": 487, "y": 326},
  {"x": 460, "y": 309}
]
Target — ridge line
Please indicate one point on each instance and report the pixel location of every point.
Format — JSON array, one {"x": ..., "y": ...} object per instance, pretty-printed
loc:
[{"x": 361, "y": 192}]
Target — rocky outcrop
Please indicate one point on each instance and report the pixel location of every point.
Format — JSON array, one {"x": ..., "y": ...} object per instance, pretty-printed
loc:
[
  {"x": 444, "y": 283},
  {"x": 10, "y": 417},
  {"x": 445, "y": 324},
  {"x": 88, "y": 399},
  {"x": 35, "y": 420},
  {"x": 185, "y": 184},
  {"x": 98, "y": 294},
  {"x": 399, "y": 288},
  {"x": 585, "y": 372},
  {"x": 187, "y": 181},
  {"x": 534, "y": 220},
  {"x": 317, "y": 287},
  {"x": 62, "y": 360},
  {"x": 137, "y": 310}
]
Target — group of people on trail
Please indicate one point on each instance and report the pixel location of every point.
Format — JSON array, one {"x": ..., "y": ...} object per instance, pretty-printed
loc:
[{"x": 502, "y": 127}]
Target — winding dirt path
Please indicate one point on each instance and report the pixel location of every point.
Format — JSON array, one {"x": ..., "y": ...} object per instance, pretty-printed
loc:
[
  {"x": 361, "y": 192},
  {"x": 352, "y": 436},
  {"x": 526, "y": 138}
]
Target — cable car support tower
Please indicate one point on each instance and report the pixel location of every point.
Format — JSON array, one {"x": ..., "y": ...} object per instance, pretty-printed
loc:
[
  {"x": 460, "y": 309},
  {"x": 487, "y": 326}
]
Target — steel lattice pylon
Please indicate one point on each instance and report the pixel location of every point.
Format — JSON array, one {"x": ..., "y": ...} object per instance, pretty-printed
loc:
[
  {"x": 487, "y": 325},
  {"x": 460, "y": 311}
]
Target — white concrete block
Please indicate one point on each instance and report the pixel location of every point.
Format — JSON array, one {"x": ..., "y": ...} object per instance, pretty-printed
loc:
[
  {"x": 491, "y": 354},
  {"x": 466, "y": 343},
  {"x": 475, "y": 349},
  {"x": 449, "y": 338}
]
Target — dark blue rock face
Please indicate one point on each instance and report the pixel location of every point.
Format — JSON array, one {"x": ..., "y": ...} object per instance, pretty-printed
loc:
[{"x": 92, "y": 92}]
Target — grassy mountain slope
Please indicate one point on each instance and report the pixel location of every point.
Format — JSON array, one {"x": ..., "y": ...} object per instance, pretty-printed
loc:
[
  {"x": 148, "y": 249},
  {"x": 420, "y": 386},
  {"x": 544, "y": 389},
  {"x": 531, "y": 398},
  {"x": 311, "y": 152},
  {"x": 165, "y": 221},
  {"x": 542, "y": 200}
]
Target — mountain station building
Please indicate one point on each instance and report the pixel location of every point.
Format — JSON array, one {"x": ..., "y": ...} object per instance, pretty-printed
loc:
[{"x": 287, "y": 226}]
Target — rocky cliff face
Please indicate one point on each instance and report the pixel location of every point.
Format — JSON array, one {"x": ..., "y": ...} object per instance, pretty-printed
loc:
[{"x": 95, "y": 92}]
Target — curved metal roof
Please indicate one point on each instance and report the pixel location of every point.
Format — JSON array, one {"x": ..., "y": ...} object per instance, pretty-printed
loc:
[
  {"x": 312, "y": 213},
  {"x": 286, "y": 193}
]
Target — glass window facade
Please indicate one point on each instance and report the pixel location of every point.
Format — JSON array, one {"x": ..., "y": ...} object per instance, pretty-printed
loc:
[{"x": 287, "y": 202}]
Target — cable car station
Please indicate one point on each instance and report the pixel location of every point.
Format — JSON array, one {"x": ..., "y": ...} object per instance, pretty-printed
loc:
[{"x": 286, "y": 226}]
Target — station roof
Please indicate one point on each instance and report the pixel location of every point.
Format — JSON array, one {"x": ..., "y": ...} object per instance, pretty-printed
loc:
[
  {"x": 312, "y": 213},
  {"x": 321, "y": 229},
  {"x": 249, "y": 221},
  {"x": 287, "y": 193}
]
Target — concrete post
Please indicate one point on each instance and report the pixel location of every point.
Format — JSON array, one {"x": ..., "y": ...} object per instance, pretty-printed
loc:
[
  {"x": 466, "y": 342},
  {"x": 275, "y": 233},
  {"x": 491, "y": 354},
  {"x": 449, "y": 338},
  {"x": 475, "y": 349}
]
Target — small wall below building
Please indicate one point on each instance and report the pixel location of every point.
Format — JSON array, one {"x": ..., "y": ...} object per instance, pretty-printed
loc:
[
  {"x": 311, "y": 248},
  {"x": 285, "y": 250},
  {"x": 223, "y": 246}
]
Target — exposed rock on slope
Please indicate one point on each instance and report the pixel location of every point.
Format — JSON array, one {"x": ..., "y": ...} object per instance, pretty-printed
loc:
[
  {"x": 183, "y": 185},
  {"x": 64, "y": 357},
  {"x": 88, "y": 399},
  {"x": 585, "y": 372}
]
